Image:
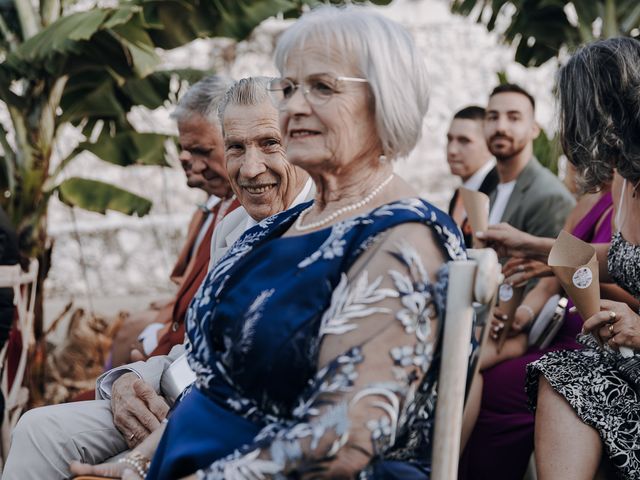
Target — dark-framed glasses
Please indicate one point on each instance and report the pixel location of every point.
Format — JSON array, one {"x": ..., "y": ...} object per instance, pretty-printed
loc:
[{"x": 317, "y": 90}]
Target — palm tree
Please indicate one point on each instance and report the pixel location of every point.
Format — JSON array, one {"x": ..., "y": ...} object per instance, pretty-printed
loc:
[{"x": 541, "y": 29}]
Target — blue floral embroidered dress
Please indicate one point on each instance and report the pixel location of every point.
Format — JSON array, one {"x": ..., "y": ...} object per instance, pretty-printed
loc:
[{"x": 316, "y": 355}]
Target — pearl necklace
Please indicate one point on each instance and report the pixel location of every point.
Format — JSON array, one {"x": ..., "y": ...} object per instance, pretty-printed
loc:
[{"x": 348, "y": 208}]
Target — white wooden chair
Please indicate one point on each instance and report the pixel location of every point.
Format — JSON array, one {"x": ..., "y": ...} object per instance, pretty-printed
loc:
[
  {"x": 473, "y": 280},
  {"x": 16, "y": 397}
]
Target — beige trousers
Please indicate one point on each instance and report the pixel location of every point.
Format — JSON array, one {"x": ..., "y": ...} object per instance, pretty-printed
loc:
[{"x": 47, "y": 439}]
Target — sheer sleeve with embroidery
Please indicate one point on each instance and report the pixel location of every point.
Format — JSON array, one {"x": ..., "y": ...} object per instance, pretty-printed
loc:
[{"x": 373, "y": 395}]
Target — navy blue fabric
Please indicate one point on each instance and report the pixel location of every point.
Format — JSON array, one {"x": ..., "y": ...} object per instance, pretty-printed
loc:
[{"x": 253, "y": 331}]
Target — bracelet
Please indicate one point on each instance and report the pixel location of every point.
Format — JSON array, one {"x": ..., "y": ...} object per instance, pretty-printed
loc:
[
  {"x": 529, "y": 310},
  {"x": 138, "y": 462}
]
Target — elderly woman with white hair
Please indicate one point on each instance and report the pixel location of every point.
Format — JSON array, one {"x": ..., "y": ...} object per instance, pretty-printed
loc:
[{"x": 316, "y": 339}]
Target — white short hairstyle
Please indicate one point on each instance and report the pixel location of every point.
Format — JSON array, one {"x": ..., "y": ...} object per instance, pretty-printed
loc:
[
  {"x": 250, "y": 91},
  {"x": 385, "y": 55},
  {"x": 203, "y": 98}
]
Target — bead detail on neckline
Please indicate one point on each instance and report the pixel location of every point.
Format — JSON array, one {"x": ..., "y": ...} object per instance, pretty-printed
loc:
[{"x": 347, "y": 208}]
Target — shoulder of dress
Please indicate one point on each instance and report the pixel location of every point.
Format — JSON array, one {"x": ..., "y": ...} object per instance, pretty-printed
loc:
[
  {"x": 412, "y": 209},
  {"x": 421, "y": 211}
]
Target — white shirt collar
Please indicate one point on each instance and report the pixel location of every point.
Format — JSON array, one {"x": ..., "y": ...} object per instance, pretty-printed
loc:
[
  {"x": 301, "y": 197},
  {"x": 475, "y": 181},
  {"x": 211, "y": 202}
]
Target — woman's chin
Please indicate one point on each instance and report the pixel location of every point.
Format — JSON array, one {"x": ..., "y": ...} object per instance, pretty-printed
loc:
[{"x": 304, "y": 157}]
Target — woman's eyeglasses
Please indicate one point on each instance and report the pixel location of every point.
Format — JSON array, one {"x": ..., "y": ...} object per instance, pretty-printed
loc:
[{"x": 316, "y": 90}]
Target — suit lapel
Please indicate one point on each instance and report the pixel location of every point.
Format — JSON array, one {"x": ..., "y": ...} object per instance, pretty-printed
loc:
[
  {"x": 230, "y": 239},
  {"x": 234, "y": 234},
  {"x": 523, "y": 183},
  {"x": 180, "y": 269},
  {"x": 452, "y": 202}
]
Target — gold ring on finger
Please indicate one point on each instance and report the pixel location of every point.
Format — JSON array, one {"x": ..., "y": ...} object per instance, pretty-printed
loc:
[{"x": 611, "y": 329}]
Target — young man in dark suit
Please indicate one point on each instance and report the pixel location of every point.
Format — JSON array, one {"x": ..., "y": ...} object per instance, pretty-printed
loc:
[{"x": 469, "y": 158}]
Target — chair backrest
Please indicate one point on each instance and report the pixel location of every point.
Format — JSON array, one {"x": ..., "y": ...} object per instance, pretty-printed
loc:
[
  {"x": 474, "y": 280},
  {"x": 16, "y": 395}
]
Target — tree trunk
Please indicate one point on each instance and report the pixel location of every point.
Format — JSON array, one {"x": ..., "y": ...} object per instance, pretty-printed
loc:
[{"x": 36, "y": 362}]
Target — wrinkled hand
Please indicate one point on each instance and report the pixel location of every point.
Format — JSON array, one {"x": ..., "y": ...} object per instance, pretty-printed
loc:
[
  {"x": 518, "y": 271},
  {"x": 107, "y": 470},
  {"x": 621, "y": 329},
  {"x": 137, "y": 408},
  {"x": 506, "y": 240}
]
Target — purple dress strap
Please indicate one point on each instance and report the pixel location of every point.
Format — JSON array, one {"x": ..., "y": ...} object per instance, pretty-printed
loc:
[
  {"x": 502, "y": 441},
  {"x": 586, "y": 227}
]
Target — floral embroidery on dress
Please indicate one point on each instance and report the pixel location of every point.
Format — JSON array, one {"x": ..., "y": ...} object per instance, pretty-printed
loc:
[
  {"x": 351, "y": 302},
  {"x": 254, "y": 314},
  {"x": 333, "y": 246},
  {"x": 280, "y": 326},
  {"x": 416, "y": 294}
]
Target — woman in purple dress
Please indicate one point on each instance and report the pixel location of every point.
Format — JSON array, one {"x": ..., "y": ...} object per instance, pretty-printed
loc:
[{"x": 502, "y": 441}]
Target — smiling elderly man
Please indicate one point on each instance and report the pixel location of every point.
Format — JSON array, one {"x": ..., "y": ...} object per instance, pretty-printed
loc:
[
  {"x": 155, "y": 331},
  {"x": 47, "y": 439}
]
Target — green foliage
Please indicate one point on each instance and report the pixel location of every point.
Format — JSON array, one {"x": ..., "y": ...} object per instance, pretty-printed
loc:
[
  {"x": 128, "y": 148},
  {"x": 547, "y": 150},
  {"x": 541, "y": 28},
  {"x": 99, "y": 197}
]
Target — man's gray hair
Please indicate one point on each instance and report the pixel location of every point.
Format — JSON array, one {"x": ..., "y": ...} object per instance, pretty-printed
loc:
[
  {"x": 248, "y": 91},
  {"x": 384, "y": 54},
  {"x": 203, "y": 98}
]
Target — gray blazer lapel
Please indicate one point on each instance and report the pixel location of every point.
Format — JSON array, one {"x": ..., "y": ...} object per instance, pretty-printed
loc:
[{"x": 523, "y": 182}]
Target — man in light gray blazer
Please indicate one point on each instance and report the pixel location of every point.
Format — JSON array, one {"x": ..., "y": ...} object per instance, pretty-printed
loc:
[
  {"x": 528, "y": 196},
  {"x": 131, "y": 400}
]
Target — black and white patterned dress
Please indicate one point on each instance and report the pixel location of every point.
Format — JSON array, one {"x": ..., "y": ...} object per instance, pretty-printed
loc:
[{"x": 590, "y": 381}]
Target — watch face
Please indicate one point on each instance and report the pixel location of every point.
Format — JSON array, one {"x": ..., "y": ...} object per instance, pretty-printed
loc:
[
  {"x": 583, "y": 277},
  {"x": 505, "y": 293}
]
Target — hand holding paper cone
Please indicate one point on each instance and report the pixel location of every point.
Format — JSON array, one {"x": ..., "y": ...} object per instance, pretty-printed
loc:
[
  {"x": 574, "y": 263},
  {"x": 477, "y": 206}
]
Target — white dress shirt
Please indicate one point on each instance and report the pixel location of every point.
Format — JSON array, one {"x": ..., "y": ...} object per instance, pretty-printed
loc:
[{"x": 503, "y": 193}]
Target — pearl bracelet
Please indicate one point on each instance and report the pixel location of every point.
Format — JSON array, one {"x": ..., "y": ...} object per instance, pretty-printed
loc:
[
  {"x": 529, "y": 310},
  {"x": 138, "y": 462}
]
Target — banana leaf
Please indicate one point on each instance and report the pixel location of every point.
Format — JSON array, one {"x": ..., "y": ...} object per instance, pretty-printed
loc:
[{"x": 99, "y": 197}]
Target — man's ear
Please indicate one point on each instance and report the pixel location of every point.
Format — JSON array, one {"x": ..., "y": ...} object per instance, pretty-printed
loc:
[{"x": 535, "y": 130}]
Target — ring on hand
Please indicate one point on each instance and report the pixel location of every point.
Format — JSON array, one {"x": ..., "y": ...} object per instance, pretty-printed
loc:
[
  {"x": 612, "y": 316},
  {"x": 611, "y": 330},
  {"x": 132, "y": 436}
]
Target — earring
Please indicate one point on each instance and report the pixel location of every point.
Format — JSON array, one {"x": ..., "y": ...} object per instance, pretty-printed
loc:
[{"x": 383, "y": 158}]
